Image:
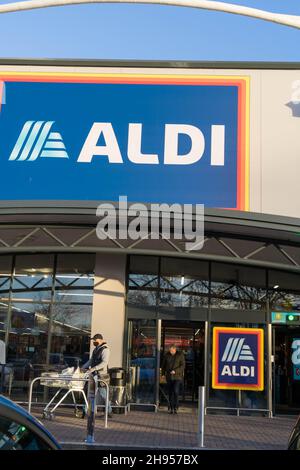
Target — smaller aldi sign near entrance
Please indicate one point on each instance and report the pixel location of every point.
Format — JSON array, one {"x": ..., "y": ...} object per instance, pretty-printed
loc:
[{"x": 238, "y": 358}]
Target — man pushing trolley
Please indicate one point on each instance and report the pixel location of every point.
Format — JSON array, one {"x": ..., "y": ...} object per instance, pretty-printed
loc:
[{"x": 98, "y": 365}]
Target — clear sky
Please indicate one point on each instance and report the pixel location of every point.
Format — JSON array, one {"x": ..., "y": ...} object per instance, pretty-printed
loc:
[{"x": 149, "y": 32}]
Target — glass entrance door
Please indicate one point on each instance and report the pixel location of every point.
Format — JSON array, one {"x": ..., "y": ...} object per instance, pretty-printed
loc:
[
  {"x": 286, "y": 372},
  {"x": 142, "y": 360},
  {"x": 148, "y": 341},
  {"x": 189, "y": 338}
]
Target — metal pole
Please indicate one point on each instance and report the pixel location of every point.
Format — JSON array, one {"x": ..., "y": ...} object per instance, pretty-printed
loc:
[
  {"x": 284, "y": 19},
  {"x": 106, "y": 402},
  {"x": 201, "y": 412},
  {"x": 91, "y": 411},
  {"x": 273, "y": 371},
  {"x": 239, "y": 402},
  {"x": 269, "y": 368},
  {"x": 208, "y": 330},
  {"x": 157, "y": 375},
  {"x": 206, "y": 358},
  {"x": 30, "y": 392}
]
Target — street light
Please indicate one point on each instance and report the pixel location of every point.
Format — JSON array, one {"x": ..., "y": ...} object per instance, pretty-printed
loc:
[{"x": 287, "y": 20}]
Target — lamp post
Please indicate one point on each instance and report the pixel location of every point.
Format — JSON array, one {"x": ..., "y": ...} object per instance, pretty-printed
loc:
[{"x": 283, "y": 19}]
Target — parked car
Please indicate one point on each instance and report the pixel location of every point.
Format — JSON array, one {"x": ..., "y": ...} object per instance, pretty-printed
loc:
[
  {"x": 21, "y": 431},
  {"x": 294, "y": 440}
]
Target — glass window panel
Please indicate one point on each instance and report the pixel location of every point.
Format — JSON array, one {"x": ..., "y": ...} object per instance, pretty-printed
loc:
[
  {"x": 5, "y": 276},
  {"x": 71, "y": 331},
  {"x": 27, "y": 344},
  {"x": 41, "y": 263},
  {"x": 28, "y": 333},
  {"x": 74, "y": 280},
  {"x": 284, "y": 291},
  {"x": 143, "y": 280},
  {"x": 75, "y": 263},
  {"x": 238, "y": 287},
  {"x": 184, "y": 283},
  {"x": 142, "y": 289},
  {"x": 144, "y": 265},
  {"x": 33, "y": 277}
]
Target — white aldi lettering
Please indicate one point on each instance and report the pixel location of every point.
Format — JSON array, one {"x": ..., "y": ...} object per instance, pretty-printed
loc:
[
  {"x": 235, "y": 371},
  {"x": 111, "y": 149}
]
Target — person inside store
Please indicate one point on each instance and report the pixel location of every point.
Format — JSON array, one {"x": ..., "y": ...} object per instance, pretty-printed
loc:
[
  {"x": 173, "y": 365},
  {"x": 98, "y": 364}
]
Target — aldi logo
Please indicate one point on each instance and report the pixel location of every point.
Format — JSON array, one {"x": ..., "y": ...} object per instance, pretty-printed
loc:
[
  {"x": 236, "y": 350},
  {"x": 238, "y": 358}
]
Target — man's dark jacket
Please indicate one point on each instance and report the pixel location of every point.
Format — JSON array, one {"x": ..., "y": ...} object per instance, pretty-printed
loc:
[{"x": 174, "y": 362}]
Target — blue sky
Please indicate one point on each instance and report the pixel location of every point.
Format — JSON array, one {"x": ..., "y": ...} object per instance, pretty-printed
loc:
[{"x": 149, "y": 32}]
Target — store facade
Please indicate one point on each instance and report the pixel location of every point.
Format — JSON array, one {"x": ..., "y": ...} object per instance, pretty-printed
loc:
[
  {"x": 60, "y": 283},
  {"x": 144, "y": 299}
]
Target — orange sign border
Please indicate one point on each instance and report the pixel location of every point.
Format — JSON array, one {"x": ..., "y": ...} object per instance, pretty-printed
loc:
[{"x": 259, "y": 332}]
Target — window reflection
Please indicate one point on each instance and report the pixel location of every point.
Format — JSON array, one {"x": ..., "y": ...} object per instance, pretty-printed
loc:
[
  {"x": 5, "y": 276},
  {"x": 143, "y": 280},
  {"x": 284, "y": 291},
  {"x": 238, "y": 287},
  {"x": 184, "y": 283},
  {"x": 74, "y": 280},
  {"x": 33, "y": 277},
  {"x": 48, "y": 319},
  {"x": 71, "y": 331},
  {"x": 28, "y": 332},
  {"x": 176, "y": 282}
]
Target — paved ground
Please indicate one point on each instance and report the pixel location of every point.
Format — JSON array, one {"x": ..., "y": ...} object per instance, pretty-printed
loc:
[{"x": 149, "y": 429}]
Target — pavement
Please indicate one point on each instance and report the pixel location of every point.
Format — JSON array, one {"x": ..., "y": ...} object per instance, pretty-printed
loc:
[{"x": 146, "y": 430}]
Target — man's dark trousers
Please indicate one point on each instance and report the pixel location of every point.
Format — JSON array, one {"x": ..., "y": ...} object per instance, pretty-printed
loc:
[{"x": 173, "y": 390}]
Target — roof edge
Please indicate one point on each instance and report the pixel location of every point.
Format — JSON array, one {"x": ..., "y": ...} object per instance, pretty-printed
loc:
[{"x": 151, "y": 63}]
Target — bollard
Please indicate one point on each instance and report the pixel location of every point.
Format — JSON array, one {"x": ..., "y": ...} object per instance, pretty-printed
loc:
[
  {"x": 106, "y": 403},
  {"x": 91, "y": 411},
  {"x": 201, "y": 413}
]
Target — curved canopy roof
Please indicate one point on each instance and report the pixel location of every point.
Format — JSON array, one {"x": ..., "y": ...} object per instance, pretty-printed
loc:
[{"x": 231, "y": 236}]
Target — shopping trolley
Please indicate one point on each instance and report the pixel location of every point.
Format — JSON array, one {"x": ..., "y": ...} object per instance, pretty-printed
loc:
[{"x": 66, "y": 380}]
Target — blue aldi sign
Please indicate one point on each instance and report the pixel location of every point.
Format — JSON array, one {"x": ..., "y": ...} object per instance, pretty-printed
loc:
[
  {"x": 154, "y": 138},
  {"x": 238, "y": 358}
]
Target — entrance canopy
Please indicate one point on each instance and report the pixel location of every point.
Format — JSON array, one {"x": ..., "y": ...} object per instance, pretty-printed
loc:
[{"x": 230, "y": 236}]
